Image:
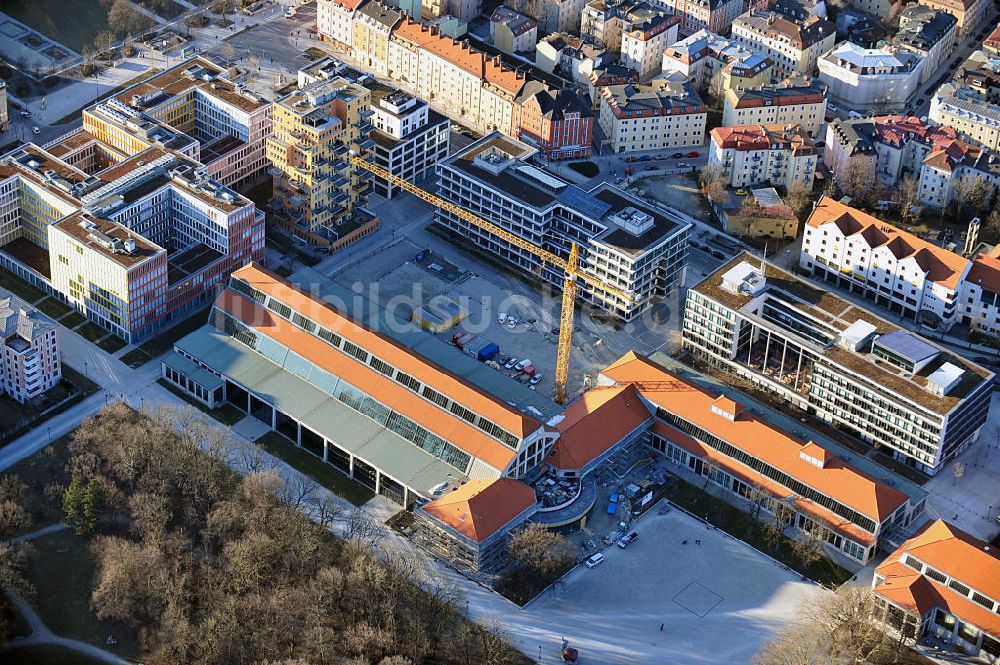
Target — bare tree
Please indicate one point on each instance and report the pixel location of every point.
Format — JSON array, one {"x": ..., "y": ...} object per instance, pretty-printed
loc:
[
  {"x": 798, "y": 644},
  {"x": 538, "y": 549},
  {"x": 989, "y": 232},
  {"x": 847, "y": 619},
  {"x": 808, "y": 543},
  {"x": 363, "y": 531},
  {"x": 496, "y": 639},
  {"x": 713, "y": 181},
  {"x": 327, "y": 509},
  {"x": 857, "y": 180},
  {"x": 709, "y": 468},
  {"x": 799, "y": 198},
  {"x": 907, "y": 195},
  {"x": 758, "y": 497},
  {"x": 298, "y": 490}
]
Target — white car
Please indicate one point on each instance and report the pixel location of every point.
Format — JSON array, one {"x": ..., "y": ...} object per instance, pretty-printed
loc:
[
  {"x": 290, "y": 12},
  {"x": 36, "y": 130},
  {"x": 510, "y": 363},
  {"x": 521, "y": 365},
  {"x": 595, "y": 560},
  {"x": 25, "y": 114},
  {"x": 536, "y": 378},
  {"x": 501, "y": 317}
]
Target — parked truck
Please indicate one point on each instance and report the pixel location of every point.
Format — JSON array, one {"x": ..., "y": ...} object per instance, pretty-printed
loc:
[{"x": 460, "y": 339}]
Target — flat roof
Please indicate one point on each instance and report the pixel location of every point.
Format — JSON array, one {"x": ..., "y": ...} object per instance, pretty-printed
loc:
[
  {"x": 838, "y": 313},
  {"x": 78, "y": 226},
  {"x": 907, "y": 346}
]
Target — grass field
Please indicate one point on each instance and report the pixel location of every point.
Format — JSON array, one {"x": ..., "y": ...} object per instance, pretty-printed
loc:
[
  {"x": 62, "y": 572},
  {"x": 49, "y": 17},
  {"x": 91, "y": 332},
  {"x": 315, "y": 468},
  {"x": 53, "y": 307},
  {"x": 112, "y": 343}
]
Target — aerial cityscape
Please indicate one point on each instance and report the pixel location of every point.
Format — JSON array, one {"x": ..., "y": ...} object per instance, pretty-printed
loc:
[{"x": 506, "y": 332}]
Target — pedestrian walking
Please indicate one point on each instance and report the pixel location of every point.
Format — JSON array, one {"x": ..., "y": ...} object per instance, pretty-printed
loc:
[{"x": 661, "y": 627}]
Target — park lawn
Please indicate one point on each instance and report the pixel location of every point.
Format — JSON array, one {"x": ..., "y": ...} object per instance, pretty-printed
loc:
[
  {"x": 53, "y": 307},
  {"x": 36, "y": 471},
  {"x": 73, "y": 319},
  {"x": 91, "y": 332},
  {"x": 63, "y": 581},
  {"x": 112, "y": 343},
  {"x": 49, "y": 17},
  {"x": 164, "y": 10},
  {"x": 227, "y": 414},
  {"x": 739, "y": 524},
  {"x": 315, "y": 468},
  {"x": 586, "y": 169},
  {"x": 19, "y": 287}
]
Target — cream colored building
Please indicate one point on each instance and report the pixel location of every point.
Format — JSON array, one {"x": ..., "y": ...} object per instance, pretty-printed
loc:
[
  {"x": 793, "y": 101},
  {"x": 662, "y": 114},
  {"x": 776, "y": 155},
  {"x": 645, "y": 38},
  {"x": 968, "y": 12},
  {"x": 372, "y": 24},
  {"x": 793, "y": 45},
  {"x": 335, "y": 20},
  {"x": 969, "y": 112}
]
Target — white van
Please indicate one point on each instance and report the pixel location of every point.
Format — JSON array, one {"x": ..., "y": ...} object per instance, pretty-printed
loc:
[
  {"x": 521, "y": 365},
  {"x": 595, "y": 560}
]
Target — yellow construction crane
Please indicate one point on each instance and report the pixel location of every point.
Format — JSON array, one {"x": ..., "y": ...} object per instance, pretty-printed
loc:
[{"x": 570, "y": 266}]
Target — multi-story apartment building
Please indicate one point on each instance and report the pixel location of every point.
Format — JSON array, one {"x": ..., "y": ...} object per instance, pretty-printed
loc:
[
  {"x": 662, "y": 114},
  {"x": 969, "y": 13},
  {"x": 196, "y": 108},
  {"x": 897, "y": 270},
  {"x": 558, "y": 123},
  {"x": 776, "y": 155},
  {"x": 409, "y": 138},
  {"x": 972, "y": 112},
  {"x": 335, "y": 20},
  {"x": 716, "y": 64},
  {"x": 513, "y": 32},
  {"x": 882, "y": 80},
  {"x": 794, "y": 101},
  {"x": 882, "y": 9},
  {"x": 453, "y": 77},
  {"x": 794, "y": 46},
  {"x": 959, "y": 167},
  {"x": 570, "y": 57},
  {"x": 551, "y": 15},
  {"x": 608, "y": 74},
  {"x": 317, "y": 193},
  {"x": 372, "y": 24},
  {"x": 30, "y": 363},
  {"x": 645, "y": 35},
  {"x": 621, "y": 240},
  {"x": 713, "y": 15},
  {"x": 805, "y": 485},
  {"x": 838, "y": 361},
  {"x": 132, "y": 245},
  {"x": 945, "y": 583},
  {"x": 603, "y": 22},
  {"x": 928, "y": 33},
  {"x": 889, "y": 147}
]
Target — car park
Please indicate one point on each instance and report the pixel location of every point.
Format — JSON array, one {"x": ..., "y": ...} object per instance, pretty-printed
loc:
[
  {"x": 595, "y": 560},
  {"x": 628, "y": 540}
]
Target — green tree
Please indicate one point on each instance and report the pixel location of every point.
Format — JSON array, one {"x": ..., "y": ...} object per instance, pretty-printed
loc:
[
  {"x": 73, "y": 502},
  {"x": 83, "y": 504}
]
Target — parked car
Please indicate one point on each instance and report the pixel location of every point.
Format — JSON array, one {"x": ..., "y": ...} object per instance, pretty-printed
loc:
[
  {"x": 650, "y": 168},
  {"x": 25, "y": 114},
  {"x": 741, "y": 192},
  {"x": 521, "y": 365},
  {"x": 290, "y": 12},
  {"x": 677, "y": 155},
  {"x": 693, "y": 154},
  {"x": 36, "y": 130},
  {"x": 510, "y": 363},
  {"x": 595, "y": 560},
  {"x": 536, "y": 378},
  {"x": 619, "y": 179},
  {"x": 646, "y": 158},
  {"x": 628, "y": 540}
]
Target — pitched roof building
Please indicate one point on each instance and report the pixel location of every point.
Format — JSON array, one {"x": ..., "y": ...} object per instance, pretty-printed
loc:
[{"x": 946, "y": 583}]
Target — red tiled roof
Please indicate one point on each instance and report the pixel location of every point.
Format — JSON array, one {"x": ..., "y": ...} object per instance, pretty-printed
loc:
[
  {"x": 941, "y": 266},
  {"x": 595, "y": 422},
  {"x": 481, "y": 507},
  {"x": 955, "y": 553},
  {"x": 836, "y": 479},
  {"x": 985, "y": 271}
]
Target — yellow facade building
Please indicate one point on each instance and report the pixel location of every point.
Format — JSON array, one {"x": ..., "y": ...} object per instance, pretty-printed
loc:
[{"x": 316, "y": 192}]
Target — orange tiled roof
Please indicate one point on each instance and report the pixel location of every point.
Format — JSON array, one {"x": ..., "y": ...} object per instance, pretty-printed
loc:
[
  {"x": 985, "y": 271},
  {"x": 481, "y": 507},
  {"x": 836, "y": 479},
  {"x": 594, "y": 422},
  {"x": 399, "y": 356},
  {"x": 503, "y": 77},
  {"x": 955, "y": 553},
  {"x": 941, "y": 266},
  {"x": 775, "y": 489}
]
